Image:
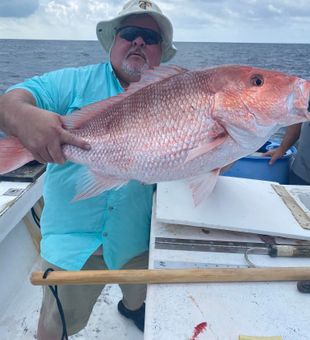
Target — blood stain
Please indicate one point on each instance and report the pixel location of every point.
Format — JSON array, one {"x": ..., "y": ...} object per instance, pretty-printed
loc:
[{"x": 200, "y": 328}]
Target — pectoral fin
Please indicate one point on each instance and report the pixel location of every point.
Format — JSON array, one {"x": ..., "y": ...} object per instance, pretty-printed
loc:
[
  {"x": 204, "y": 148},
  {"x": 202, "y": 185},
  {"x": 93, "y": 183}
]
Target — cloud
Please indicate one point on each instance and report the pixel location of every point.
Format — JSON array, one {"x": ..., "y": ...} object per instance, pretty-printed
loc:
[
  {"x": 18, "y": 8},
  {"x": 85, "y": 11},
  {"x": 60, "y": 19},
  {"x": 225, "y": 12},
  {"x": 195, "y": 20},
  {"x": 242, "y": 20}
]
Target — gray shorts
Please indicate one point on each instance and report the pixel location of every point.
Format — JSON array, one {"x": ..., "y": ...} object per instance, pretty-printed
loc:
[{"x": 78, "y": 300}]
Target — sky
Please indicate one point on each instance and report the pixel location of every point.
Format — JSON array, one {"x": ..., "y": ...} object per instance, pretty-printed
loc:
[{"x": 279, "y": 21}]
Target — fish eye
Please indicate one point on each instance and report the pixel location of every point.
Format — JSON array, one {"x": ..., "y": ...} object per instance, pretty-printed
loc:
[{"x": 257, "y": 80}]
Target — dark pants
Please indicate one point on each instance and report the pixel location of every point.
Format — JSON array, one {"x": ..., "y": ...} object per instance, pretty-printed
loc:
[{"x": 294, "y": 179}]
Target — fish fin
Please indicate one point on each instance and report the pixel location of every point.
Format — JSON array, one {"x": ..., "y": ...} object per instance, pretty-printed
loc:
[
  {"x": 155, "y": 75},
  {"x": 94, "y": 182},
  {"x": 80, "y": 117},
  {"x": 13, "y": 154},
  {"x": 204, "y": 148},
  {"x": 202, "y": 185}
]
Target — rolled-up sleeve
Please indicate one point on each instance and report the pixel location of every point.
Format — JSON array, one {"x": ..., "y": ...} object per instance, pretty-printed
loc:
[{"x": 53, "y": 91}]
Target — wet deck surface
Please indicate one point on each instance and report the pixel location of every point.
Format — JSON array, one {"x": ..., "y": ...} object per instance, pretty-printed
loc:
[{"x": 20, "y": 319}]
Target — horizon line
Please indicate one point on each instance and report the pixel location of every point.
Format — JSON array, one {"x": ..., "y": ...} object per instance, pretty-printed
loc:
[{"x": 209, "y": 42}]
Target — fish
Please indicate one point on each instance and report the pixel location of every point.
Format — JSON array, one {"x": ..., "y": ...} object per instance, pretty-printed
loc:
[{"x": 176, "y": 124}]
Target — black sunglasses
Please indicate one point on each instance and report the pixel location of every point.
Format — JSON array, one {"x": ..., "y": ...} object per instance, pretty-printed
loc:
[{"x": 130, "y": 33}]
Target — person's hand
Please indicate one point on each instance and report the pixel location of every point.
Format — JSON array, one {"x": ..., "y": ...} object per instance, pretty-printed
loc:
[
  {"x": 42, "y": 133},
  {"x": 275, "y": 154}
]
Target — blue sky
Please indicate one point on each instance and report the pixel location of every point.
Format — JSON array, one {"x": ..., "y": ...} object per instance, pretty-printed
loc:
[{"x": 282, "y": 21}]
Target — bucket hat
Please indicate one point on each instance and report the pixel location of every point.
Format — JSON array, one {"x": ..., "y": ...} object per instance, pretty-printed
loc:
[{"x": 106, "y": 29}]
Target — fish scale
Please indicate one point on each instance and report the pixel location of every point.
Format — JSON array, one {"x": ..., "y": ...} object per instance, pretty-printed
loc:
[{"x": 179, "y": 124}]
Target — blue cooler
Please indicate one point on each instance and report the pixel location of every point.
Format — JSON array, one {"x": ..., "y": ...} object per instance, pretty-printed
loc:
[{"x": 256, "y": 166}]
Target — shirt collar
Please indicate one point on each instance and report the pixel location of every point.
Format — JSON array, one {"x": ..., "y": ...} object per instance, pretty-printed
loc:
[{"x": 110, "y": 68}]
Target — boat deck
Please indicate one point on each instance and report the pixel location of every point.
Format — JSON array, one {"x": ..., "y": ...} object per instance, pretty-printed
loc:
[
  {"x": 19, "y": 321},
  {"x": 19, "y": 299},
  {"x": 228, "y": 310}
]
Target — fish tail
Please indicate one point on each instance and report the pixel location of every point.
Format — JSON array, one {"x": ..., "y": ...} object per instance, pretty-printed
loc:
[{"x": 13, "y": 154}]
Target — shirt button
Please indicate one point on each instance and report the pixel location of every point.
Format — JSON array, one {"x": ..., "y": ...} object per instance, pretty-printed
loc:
[
  {"x": 111, "y": 208},
  {"x": 104, "y": 234}
]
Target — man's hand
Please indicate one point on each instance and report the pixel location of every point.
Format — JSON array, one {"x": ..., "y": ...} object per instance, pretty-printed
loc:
[
  {"x": 40, "y": 131},
  {"x": 291, "y": 136},
  {"x": 275, "y": 154}
]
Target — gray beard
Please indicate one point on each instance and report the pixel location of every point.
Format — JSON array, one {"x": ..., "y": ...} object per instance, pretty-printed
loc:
[{"x": 133, "y": 71}]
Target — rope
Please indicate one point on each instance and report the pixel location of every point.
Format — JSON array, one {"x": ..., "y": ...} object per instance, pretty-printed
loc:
[
  {"x": 54, "y": 291},
  {"x": 35, "y": 217},
  {"x": 246, "y": 256}
]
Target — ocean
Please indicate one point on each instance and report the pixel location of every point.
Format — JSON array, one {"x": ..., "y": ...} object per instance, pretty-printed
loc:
[{"x": 21, "y": 59}]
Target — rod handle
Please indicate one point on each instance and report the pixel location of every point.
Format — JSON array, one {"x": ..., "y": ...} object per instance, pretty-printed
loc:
[
  {"x": 289, "y": 251},
  {"x": 143, "y": 276}
]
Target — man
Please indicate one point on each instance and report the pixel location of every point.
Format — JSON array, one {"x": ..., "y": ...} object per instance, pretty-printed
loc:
[
  {"x": 300, "y": 168},
  {"x": 110, "y": 230}
]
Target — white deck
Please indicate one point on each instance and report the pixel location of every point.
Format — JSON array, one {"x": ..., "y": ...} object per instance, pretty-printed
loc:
[
  {"x": 229, "y": 309},
  {"x": 19, "y": 320},
  {"x": 173, "y": 311},
  {"x": 19, "y": 300}
]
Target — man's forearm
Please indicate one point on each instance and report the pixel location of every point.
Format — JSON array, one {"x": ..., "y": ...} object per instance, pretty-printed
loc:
[
  {"x": 291, "y": 136},
  {"x": 14, "y": 106}
]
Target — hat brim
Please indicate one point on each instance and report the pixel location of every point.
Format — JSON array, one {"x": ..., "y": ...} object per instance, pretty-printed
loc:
[{"x": 106, "y": 32}]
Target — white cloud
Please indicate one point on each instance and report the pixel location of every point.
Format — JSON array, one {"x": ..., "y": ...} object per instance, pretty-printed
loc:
[
  {"x": 243, "y": 20},
  {"x": 195, "y": 20},
  {"x": 18, "y": 8},
  {"x": 274, "y": 9},
  {"x": 67, "y": 19}
]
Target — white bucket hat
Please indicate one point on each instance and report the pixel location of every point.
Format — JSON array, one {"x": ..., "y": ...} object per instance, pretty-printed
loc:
[{"x": 106, "y": 29}]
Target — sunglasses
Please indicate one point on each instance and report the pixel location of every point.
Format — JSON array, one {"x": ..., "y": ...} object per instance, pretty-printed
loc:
[{"x": 130, "y": 33}]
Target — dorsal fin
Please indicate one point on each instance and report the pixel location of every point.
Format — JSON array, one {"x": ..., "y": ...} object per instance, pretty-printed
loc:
[
  {"x": 80, "y": 117},
  {"x": 155, "y": 75}
]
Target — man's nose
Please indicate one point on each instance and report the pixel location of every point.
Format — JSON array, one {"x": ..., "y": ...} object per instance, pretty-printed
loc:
[{"x": 139, "y": 42}]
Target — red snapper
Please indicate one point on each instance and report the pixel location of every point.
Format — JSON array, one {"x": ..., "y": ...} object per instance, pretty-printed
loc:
[{"x": 177, "y": 124}]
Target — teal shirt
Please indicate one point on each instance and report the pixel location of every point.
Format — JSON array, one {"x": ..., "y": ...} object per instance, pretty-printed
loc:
[{"x": 117, "y": 219}]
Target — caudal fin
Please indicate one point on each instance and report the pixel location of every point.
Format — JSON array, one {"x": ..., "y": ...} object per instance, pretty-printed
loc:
[{"x": 13, "y": 155}]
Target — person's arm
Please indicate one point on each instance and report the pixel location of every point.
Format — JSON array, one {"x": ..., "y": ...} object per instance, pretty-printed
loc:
[
  {"x": 290, "y": 138},
  {"x": 40, "y": 131}
]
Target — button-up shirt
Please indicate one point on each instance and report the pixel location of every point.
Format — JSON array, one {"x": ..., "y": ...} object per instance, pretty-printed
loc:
[{"x": 117, "y": 219}]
